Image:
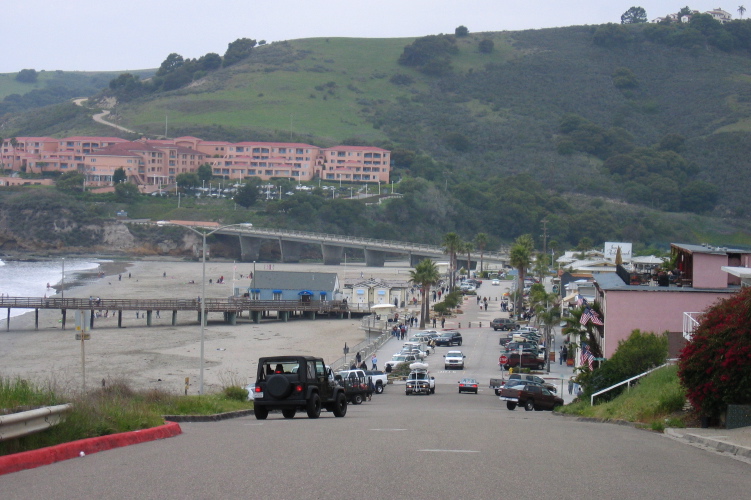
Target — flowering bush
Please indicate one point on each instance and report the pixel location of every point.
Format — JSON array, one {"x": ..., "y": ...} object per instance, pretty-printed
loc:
[{"x": 715, "y": 365}]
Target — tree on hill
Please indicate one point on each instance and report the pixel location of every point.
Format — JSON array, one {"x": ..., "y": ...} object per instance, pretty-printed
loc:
[
  {"x": 486, "y": 46},
  {"x": 70, "y": 182},
  {"x": 634, "y": 15},
  {"x": 741, "y": 11},
  {"x": 170, "y": 64},
  {"x": 27, "y": 76},
  {"x": 125, "y": 191},
  {"x": 612, "y": 35},
  {"x": 430, "y": 54},
  {"x": 119, "y": 176},
  {"x": 715, "y": 365},
  {"x": 204, "y": 172},
  {"x": 247, "y": 194},
  {"x": 238, "y": 50},
  {"x": 461, "y": 31}
]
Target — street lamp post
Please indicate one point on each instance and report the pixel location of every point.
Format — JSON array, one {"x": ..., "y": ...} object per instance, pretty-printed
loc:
[{"x": 203, "y": 235}]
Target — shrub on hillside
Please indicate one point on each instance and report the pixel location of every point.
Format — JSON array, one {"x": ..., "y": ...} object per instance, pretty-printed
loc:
[
  {"x": 635, "y": 355},
  {"x": 715, "y": 365}
]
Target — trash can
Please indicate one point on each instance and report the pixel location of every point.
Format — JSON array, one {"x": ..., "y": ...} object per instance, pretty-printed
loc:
[{"x": 552, "y": 357}]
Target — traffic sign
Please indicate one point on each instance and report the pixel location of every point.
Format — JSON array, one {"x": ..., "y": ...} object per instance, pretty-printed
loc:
[{"x": 503, "y": 359}]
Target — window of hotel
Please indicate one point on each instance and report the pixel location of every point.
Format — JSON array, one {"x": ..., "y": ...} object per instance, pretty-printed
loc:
[
  {"x": 299, "y": 151},
  {"x": 341, "y": 153},
  {"x": 282, "y": 150},
  {"x": 93, "y": 160}
]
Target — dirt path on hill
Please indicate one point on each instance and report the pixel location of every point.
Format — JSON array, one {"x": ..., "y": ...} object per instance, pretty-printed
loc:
[{"x": 99, "y": 117}]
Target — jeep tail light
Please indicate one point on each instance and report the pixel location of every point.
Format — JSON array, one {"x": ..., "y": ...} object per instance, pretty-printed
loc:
[
  {"x": 258, "y": 388},
  {"x": 298, "y": 388}
]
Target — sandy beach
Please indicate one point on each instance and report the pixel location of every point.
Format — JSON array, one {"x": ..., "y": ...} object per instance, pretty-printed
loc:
[{"x": 162, "y": 356}]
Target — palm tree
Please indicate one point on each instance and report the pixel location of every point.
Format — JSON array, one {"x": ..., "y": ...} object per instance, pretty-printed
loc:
[
  {"x": 481, "y": 242},
  {"x": 589, "y": 333},
  {"x": 451, "y": 243},
  {"x": 467, "y": 247},
  {"x": 425, "y": 274},
  {"x": 741, "y": 10},
  {"x": 547, "y": 312},
  {"x": 520, "y": 258}
]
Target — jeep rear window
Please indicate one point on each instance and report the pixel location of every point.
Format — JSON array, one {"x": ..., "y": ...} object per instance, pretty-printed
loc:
[{"x": 280, "y": 366}]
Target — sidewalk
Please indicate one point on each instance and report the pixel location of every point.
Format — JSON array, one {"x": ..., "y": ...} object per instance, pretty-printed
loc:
[{"x": 735, "y": 443}]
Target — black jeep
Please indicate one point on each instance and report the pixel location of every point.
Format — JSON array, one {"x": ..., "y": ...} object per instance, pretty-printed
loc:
[{"x": 291, "y": 383}]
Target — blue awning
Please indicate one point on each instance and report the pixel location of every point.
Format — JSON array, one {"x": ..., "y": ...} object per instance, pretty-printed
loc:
[
  {"x": 256, "y": 290},
  {"x": 276, "y": 291},
  {"x": 305, "y": 292},
  {"x": 323, "y": 293}
]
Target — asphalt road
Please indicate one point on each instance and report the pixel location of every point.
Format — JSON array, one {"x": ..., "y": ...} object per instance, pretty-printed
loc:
[{"x": 441, "y": 446}]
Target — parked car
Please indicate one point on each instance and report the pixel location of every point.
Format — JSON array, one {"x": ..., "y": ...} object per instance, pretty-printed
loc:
[
  {"x": 398, "y": 359},
  {"x": 528, "y": 360},
  {"x": 504, "y": 341},
  {"x": 531, "y": 397},
  {"x": 380, "y": 379},
  {"x": 449, "y": 339},
  {"x": 526, "y": 377},
  {"x": 468, "y": 385},
  {"x": 454, "y": 359},
  {"x": 504, "y": 324},
  {"x": 513, "y": 348},
  {"x": 495, "y": 282}
]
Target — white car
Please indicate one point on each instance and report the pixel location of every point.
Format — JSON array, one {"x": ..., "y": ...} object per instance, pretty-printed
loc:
[
  {"x": 398, "y": 359},
  {"x": 495, "y": 282},
  {"x": 454, "y": 359}
]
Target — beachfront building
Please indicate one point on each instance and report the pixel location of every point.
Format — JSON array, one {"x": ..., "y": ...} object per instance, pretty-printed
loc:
[
  {"x": 292, "y": 285},
  {"x": 365, "y": 293},
  {"x": 674, "y": 301},
  {"x": 148, "y": 162}
]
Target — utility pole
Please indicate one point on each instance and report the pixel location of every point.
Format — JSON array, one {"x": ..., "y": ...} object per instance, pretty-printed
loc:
[{"x": 544, "y": 236}]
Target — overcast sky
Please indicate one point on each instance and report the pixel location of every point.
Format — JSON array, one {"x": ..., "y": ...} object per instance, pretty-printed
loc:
[{"x": 139, "y": 34}]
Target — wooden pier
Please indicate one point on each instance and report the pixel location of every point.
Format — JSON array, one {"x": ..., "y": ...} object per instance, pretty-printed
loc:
[{"x": 231, "y": 308}]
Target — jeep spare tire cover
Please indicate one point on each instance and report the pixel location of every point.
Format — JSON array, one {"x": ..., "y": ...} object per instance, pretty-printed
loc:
[{"x": 278, "y": 386}]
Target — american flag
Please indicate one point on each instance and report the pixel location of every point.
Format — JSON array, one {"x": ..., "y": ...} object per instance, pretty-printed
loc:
[
  {"x": 595, "y": 318},
  {"x": 581, "y": 301},
  {"x": 585, "y": 317},
  {"x": 586, "y": 356}
]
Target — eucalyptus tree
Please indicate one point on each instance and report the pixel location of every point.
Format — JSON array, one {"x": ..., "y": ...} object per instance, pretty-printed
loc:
[
  {"x": 481, "y": 243},
  {"x": 425, "y": 275}
]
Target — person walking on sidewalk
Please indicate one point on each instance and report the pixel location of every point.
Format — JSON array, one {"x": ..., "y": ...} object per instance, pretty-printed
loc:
[
  {"x": 571, "y": 385},
  {"x": 374, "y": 361}
]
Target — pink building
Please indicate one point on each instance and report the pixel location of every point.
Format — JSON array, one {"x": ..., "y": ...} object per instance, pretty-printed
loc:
[
  {"x": 159, "y": 162},
  {"x": 675, "y": 306}
]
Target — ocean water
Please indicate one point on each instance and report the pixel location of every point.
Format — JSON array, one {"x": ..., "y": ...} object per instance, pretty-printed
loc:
[{"x": 30, "y": 279}]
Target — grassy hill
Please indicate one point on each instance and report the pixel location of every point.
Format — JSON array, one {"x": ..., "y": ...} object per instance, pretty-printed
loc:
[{"x": 481, "y": 144}]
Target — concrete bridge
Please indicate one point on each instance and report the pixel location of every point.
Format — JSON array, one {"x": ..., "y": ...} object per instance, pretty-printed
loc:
[{"x": 333, "y": 245}]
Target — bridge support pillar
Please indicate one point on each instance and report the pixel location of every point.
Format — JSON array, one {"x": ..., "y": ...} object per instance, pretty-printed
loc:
[
  {"x": 232, "y": 318},
  {"x": 255, "y": 316},
  {"x": 415, "y": 259},
  {"x": 120, "y": 318},
  {"x": 91, "y": 320},
  {"x": 7, "y": 326},
  {"x": 332, "y": 255},
  {"x": 291, "y": 250},
  {"x": 310, "y": 314},
  {"x": 148, "y": 318},
  {"x": 374, "y": 258},
  {"x": 285, "y": 316},
  {"x": 174, "y": 318},
  {"x": 36, "y": 319},
  {"x": 249, "y": 248},
  {"x": 64, "y": 314}
]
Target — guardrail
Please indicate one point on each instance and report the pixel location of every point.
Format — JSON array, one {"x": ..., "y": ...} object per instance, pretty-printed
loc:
[
  {"x": 690, "y": 324},
  {"x": 23, "y": 423},
  {"x": 628, "y": 381}
]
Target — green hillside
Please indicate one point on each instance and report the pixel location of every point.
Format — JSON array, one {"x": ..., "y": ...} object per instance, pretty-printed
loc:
[{"x": 609, "y": 132}]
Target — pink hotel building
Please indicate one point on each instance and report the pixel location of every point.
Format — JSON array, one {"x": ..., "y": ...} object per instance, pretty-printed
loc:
[{"x": 158, "y": 162}]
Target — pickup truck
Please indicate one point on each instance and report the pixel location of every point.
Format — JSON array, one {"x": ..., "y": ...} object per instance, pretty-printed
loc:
[
  {"x": 419, "y": 380},
  {"x": 531, "y": 397},
  {"x": 379, "y": 378}
]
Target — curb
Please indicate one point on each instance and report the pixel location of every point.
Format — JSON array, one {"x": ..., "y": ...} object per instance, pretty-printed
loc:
[
  {"x": 51, "y": 454},
  {"x": 715, "y": 444},
  {"x": 208, "y": 418}
]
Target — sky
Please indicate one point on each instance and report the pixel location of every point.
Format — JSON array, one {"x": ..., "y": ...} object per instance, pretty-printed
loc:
[{"x": 118, "y": 35}]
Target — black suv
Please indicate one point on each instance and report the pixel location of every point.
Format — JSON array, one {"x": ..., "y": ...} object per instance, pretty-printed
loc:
[
  {"x": 503, "y": 324},
  {"x": 449, "y": 339},
  {"x": 291, "y": 383}
]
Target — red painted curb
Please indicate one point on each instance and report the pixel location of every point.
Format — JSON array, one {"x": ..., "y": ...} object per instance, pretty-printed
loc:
[{"x": 51, "y": 454}]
